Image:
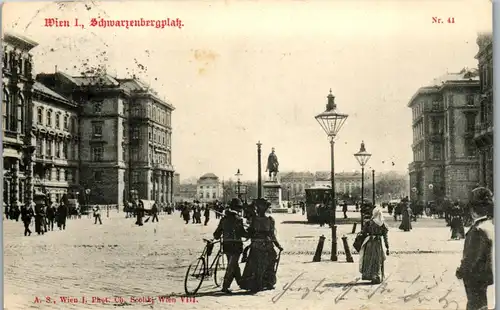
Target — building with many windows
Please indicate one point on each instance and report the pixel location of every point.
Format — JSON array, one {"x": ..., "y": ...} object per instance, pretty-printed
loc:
[
  {"x": 345, "y": 182},
  {"x": 209, "y": 188},
  {"x": 484, "y": 122},
  {"x": 125, "y": 137},
  {"x": 295, "y": 183},
  {"x": 16, "y": 126},
  {"x": 444, "y": 152}
]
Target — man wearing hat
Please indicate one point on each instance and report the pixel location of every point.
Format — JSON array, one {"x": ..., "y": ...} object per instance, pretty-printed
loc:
[
  {"x": 476, "y": 268},
  {"x": 231, "y": 230}
]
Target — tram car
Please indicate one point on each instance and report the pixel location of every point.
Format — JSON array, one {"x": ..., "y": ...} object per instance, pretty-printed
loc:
[{"x": 315, "y": 196}]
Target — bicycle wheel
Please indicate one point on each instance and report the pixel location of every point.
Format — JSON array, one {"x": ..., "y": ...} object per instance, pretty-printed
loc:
[
  {"x": 194, "y": 276},
  {"x": 220, "y": 270}
]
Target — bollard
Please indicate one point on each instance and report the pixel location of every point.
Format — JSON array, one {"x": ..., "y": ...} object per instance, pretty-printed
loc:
[
  {"x": 354, "y": 228},
  {"x": 319, "y": 249},
  {"x": 347, "y": 251}
]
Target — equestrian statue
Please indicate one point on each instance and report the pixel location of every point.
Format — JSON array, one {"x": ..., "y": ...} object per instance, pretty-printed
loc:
[{"x": 272, "y": 166}]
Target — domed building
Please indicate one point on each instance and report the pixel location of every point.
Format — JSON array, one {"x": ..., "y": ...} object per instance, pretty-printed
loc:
[{"x": 209, "y": 188}]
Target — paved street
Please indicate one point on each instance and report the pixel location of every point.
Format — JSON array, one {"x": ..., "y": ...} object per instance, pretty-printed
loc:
[{"x": 120, "y": 261}]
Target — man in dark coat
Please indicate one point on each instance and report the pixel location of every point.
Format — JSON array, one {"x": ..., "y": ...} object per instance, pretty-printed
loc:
[
  {"x": 476, "y": 268},
  {"x": 62, "y": 215},
  {"x": 232, "y": 231},
  {"x": 139, "y": 207},
  {"x": 51, "y": 215},
  {"x": 154, "y": 213},
  {"x": 39, "y": 219},
  {"x": 344, "y": 209},
  {"x": 206, "y": 213},
  {"x": 27, "y": 214}
]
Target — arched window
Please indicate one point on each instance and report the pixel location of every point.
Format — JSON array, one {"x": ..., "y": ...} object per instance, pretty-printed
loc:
[
  {"x": 39, "y": 116},
  {"x": 58, "y": 120},
  {"x": 73, "y": 125},
  {"x": 66, "y": 122},
  {"x": 49, "y": 118},
  {"x": 436, "y": 176},
  {"x": 20, "y": 113}
]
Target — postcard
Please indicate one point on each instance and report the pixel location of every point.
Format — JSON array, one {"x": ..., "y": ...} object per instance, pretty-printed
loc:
[{"x": 248, "y": 155}]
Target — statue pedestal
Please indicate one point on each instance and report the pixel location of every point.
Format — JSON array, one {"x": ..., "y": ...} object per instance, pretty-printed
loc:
[{"x": 272, "y": 193}]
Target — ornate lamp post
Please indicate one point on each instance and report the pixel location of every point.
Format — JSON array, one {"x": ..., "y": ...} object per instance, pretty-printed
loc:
[
  {"x": 362, "y": 156},
  {"x": 331, "y": 120},
  {"x": 238, "y": 175}
]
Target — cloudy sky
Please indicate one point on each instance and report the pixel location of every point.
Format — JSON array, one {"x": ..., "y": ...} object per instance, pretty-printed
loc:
[{"x": 240, "y": 72}]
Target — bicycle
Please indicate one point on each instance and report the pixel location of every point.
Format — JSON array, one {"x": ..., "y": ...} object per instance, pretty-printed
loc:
[{"x": 199, "y": 269}]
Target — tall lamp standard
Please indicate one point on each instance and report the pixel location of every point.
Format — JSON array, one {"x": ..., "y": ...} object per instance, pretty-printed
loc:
[
  {"x": 238, "y": 175},
  {"x": 362, "y": 156},
  {"x": 259, "y": 172},
  {"x": 331, "y": 120}
]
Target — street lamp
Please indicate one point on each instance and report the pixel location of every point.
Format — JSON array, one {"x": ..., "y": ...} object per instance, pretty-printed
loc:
[
  {"x": 362, "y": 156},
  {"x": 238, "y": 175},
  {"x": 331, "y": 120}
]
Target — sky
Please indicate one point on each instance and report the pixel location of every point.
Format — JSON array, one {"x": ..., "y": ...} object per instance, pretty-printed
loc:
[{"x": 242, "y": 72}]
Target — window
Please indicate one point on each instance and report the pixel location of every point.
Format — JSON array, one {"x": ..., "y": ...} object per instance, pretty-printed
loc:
[
  {"x": 136, "y": 111},
  {"x": 201, "y": 187},
  {"x": 97, "y": 153},
  {"x": 5, "y": 108},
  {"x": 98, "y": 176},
  {"x": 73, "y": 125},
  {"x": 450, "y": 100},
  {"x": 214, "y": 195},
  {"x": 436, "y": 152},
  {"x": 48, "y": 148},
  {"x": 435, "y": 105},
  {"x": 469, "y": 99},
  {"x": 39, "y": 147},
  {"x": 49, "y": 118},
  {"x": 39, "y": 115},
  {"x": 58, "y": 120},
  {"x": 73, "y": 151},
  {"x": 135, "y": 133},
  {"x": 67, "y": 175},
  {"x": 97, "y": 129},
  {"x": 436, "y": 176},
  {"x": 58, "y": 149},
  {"x": 135, "y": 176},
  {"x": 98, "y": 107},
  {"x": 124, "y": 125},
  {"x": 66, "y": 122},
  {"x": 150, "y": 134},
  {"x": 65, "y": 150},
  {"x": 470, "y": 147},
  {"x": 48, "y": 174},
  {"x": 470, "y": 122},
  {"x": 58, "y": 174}
]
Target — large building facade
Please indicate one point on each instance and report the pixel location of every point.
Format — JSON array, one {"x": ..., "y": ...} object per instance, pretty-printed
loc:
[
  {"x": 209, "y": 188},
  {"x": 16, "y": 95},
  {"x": 97, "y": 135},
  {"x": 125, "y": 137},
  {"x": 484, "y": 121},
  {"x": 444, "y": 153}
]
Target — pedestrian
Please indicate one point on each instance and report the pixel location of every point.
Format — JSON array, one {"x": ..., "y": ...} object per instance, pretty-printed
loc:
[
  {"x": 231, "y": 230},
  {"x": 371, "y": 255},
  {"x": 154, "y": 212},
  {"x": 303, "y": 207},
  {"x": 456, "y": 223},
  {"x": 405, "y": 216},
  {"x": 6, "y": 210},
  {"x": 259, "y": 273},
  {"x": 344, "y": 209},
  {"x": 206, "y": 213},
  {"x": 62, "y": 215},
  {"x": 51, "y": 215},
  {"x": 139, "y": 207},
  {"x": 185, "y": 214},
  {"x": 39, "y": 218},
  {"x": 27, "y": 214},
  {"x": 197, "y": 214},
  {"x": 476, "y": 268},
  {"x": 97, "y": 215}
]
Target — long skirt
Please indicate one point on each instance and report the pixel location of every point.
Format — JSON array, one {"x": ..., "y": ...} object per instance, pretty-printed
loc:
[
  {"x": 371, "y": 259},
  {"x": 457, "y": 228},
  {"x": 405, "y": 223},
  {"x": 259, "y": 272}
]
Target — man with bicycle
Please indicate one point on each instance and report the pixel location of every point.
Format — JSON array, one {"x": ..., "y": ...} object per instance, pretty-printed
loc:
[{"x": 232, "y": 231}]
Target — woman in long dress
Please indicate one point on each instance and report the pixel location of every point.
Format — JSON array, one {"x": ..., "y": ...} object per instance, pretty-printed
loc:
[
  {"x": 259, "y": 273},
  {"x": 456, "y": 223},
  {"x": 406, "y": 218},
  {"x": 372, "y": 256}
]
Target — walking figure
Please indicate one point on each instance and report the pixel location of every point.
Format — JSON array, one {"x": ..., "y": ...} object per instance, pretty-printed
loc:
[
  {"x": 26, "y": 214},
  {"x": 97, "y": 215},
  {"x": 207, "y": 214},
  {"x": 154, "y": 211},
  {"x": 51, "y": 216}
]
